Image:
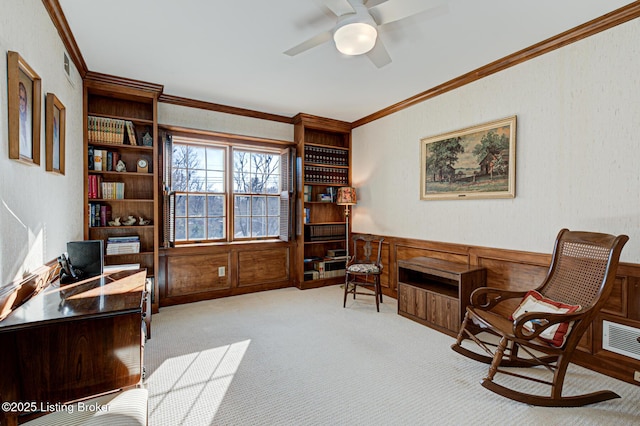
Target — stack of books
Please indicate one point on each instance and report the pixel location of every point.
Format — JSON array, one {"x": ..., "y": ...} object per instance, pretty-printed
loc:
[{"x": 123, "y": 245}]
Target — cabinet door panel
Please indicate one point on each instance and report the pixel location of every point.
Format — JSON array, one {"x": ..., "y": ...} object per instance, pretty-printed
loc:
[{"x": 444, "y": 311}]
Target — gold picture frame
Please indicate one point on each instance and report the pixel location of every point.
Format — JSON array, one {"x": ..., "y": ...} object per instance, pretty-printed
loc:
[
  {"x": 55, "y": 125},
  {"x": 24, "y": 103},
  {"x": 476, "y": 162}
]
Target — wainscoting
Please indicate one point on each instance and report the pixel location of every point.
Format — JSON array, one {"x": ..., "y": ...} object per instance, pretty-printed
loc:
[
  {"x": 189, "y": 274},
  {"x": 518, "y": 270}
]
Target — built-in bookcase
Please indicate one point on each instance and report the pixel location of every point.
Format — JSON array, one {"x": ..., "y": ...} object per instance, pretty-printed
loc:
[
  {"x": 324, "y": 148},
  {"x": 121, "y": 126}
]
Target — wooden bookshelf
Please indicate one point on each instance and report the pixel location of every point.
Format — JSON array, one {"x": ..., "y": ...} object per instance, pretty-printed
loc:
[
  {"x": 324, "y": 150},
  {"x": 115, "y": 101}
]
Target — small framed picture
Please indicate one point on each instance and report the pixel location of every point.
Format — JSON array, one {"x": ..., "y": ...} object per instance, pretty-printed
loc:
[
  {"x": 55, "y": 124},
  {"x": 24, "y": 105}
]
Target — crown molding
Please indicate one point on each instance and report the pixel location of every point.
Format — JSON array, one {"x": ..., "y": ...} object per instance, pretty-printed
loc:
[
  {"x": 98, "y": 79},
  {"x": 605, "y": 22},
  {"x": 192, "y": 103}
]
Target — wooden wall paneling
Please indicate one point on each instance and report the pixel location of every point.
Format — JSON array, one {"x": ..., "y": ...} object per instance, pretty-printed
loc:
[
  {"x": 633, "y": 311},
  {"x": 512, "y": 274},
  {"x": 262, "y": 266},
  {"x": 606, "y": 362},
  {"x": 616, "y": 304},
  {"x": 189, "y": 274},
  {"x": 387, "y": 272},
  {"x": 407, "y": 252},
  {"x": 196, "y": 273}
]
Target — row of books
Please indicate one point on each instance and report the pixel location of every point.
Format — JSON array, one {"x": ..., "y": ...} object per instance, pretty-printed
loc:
[
  {"x": 325, "y": 232},
  {"x": 102, "y": 160},
  {"x": 99, "y": 214},
  {"x": 330, "y": 268},
  {"x": 331, "y": 156},
  {"x": 112, "y": 190},
  {"x": 327, "y": 175},
  {"x": 129, "y": 244},
  {"x": 110, "y": 131},
  {"x": 96, "y": 188}
]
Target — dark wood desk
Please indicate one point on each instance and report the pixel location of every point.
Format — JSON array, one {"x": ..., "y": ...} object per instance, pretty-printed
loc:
[{"x": 74, "y": 341}]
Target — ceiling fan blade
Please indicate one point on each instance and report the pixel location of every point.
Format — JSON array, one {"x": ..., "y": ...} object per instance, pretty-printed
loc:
[
  {"x": 379, "y": 55},
  {"x": 309, "y": 44},
  {"x": 339, "y": 7},
  {"x": 394, "y": 10}
]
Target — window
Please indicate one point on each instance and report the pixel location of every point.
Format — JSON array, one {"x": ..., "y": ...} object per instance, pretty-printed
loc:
[
  {"x": 198, "y": 181},
  {"x": 256, "y": 194},
  {"x": 220, "y": 192}
]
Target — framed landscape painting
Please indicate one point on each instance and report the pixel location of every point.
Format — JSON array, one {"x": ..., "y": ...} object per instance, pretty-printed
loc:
[{"x": 476, "y": 162}]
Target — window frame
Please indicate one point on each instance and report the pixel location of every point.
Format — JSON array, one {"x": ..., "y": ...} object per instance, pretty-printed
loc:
[
  {"x": 225, "y": 193},
  {"x": 284, "y": 149},
  {"x": 252, "y": 195}
]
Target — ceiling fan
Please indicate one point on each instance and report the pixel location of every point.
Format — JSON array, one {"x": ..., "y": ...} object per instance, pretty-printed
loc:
[{"x": 359, "y": 23}]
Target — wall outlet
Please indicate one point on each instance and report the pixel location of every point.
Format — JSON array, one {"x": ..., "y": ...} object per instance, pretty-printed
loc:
[
  {"x": 636, "y": 376},
  {"x": 221, "y": 271}
]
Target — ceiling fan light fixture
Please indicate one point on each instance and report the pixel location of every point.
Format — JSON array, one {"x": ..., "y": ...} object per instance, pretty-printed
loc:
[{"x": 355, "y": 38}]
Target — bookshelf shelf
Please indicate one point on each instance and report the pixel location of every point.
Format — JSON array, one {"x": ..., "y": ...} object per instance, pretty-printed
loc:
[
  {"x": 123, "y": 146},
  {"x": 341, "y": 240},
  {"x": 127, "y": 118},
  {"x": 114, "y": 173},
  {"x": 331, "y": 166},
  {"x": 121, "y": 200},
  {"x": 124, "y": 227},
  {"x": 142, "y": 253}
]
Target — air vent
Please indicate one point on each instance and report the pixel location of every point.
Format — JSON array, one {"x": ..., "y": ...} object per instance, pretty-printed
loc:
[
  {"x": 621, "y": 339},
  {"x": 66, "y": 65}
]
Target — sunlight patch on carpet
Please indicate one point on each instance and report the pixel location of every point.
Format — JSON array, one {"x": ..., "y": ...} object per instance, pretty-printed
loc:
[{"x": 192, "y": 386}]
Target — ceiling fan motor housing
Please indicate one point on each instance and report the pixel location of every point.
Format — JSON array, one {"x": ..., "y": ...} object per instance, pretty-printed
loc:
[{"x": 355, "y": 33}]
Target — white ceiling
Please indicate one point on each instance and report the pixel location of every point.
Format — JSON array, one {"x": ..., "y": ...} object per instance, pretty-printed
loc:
[{"x": 231, "y": 52}]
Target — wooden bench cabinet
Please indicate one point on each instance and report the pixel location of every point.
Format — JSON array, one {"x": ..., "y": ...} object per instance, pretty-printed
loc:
[{"x": 436, "y": 292}]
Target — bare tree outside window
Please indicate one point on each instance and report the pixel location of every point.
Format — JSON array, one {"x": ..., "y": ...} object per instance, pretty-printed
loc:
[
  {"x": 256, "y": 188},
  {"x": 198, "y": 179}
]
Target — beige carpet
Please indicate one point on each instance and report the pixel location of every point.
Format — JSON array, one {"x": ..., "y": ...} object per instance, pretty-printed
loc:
[{"x": 292, "y": 357}]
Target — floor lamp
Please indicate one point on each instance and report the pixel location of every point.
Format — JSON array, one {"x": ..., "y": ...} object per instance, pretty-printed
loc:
[{"x": 346, "y": 197}]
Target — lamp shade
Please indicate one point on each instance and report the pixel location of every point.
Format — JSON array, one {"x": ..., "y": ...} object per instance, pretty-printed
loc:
[
  {"x": 355, "y": 38},
  {"x": 346, "y": 196}
]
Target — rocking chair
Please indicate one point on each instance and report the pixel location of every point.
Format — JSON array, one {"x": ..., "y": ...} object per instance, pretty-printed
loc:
[{"x": 550, "y": 320}]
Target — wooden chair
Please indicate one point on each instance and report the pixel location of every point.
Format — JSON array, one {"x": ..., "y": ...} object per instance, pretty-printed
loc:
[
  {"x": 582, "y": 273},
  {"x": 361, "y": 266}
]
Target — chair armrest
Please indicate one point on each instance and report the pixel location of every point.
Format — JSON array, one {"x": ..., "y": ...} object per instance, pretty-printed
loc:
[
  {"x": 486, "y": 298},
  {"x": 541, "y": 321}
]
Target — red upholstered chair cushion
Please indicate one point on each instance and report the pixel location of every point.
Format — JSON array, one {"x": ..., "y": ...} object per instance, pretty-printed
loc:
[{"x": 533, "y": 301}]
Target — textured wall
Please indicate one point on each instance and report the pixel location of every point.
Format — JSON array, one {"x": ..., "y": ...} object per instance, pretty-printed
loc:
[
  {"x": 577, "y": 153},
  {"x": 194, "y": 118},
  {"x": 39, "y": 211}
]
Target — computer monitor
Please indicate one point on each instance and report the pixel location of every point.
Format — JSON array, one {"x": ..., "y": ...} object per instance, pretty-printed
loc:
[{"x": 88, "y": 256}]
